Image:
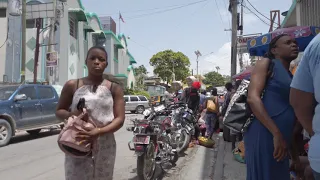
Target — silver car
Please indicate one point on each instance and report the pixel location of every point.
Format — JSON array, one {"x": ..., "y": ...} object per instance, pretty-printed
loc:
[{"x": 136, "y": 103}]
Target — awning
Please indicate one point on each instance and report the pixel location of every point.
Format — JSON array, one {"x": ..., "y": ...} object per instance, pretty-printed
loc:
[
  {"x": 99, "y": 34},
  {"x": 132, "y": 60},
  {"x": 87, "y": 28},
  {"x": 79, "y": 13}
]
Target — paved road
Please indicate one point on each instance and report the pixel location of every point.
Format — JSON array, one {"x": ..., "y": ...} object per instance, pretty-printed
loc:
[{"x": 27, "y": 158}]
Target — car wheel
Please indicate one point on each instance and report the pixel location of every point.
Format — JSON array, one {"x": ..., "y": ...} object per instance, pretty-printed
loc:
[
  {"x": 5, "y": 132},
  {"x": 34, "y": 132},
  {"x": 140, "y": 109}
]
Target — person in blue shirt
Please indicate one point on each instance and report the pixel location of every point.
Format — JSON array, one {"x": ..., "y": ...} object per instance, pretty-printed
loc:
[
  {"x": 269, "y": 136},
  {"x": 305, "y": 98}
]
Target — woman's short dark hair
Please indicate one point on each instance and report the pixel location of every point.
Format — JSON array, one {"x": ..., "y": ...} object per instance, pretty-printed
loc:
[
  {"x": 108, "y": 77},
  {"x": 214, "y": 91},
  {"x": 272, "y": 45}
]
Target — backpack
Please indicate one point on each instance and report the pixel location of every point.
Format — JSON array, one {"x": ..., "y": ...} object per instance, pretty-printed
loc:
[
  {"x": 238, "y": 115},
  {"x": 212, "y": 106}
]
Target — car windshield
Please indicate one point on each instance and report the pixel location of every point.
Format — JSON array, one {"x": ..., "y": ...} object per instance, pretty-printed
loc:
[{"x": 7, "y": 91}]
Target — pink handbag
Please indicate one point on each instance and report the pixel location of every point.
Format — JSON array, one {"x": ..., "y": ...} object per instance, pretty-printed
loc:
[{"x": 67, "y": 140}]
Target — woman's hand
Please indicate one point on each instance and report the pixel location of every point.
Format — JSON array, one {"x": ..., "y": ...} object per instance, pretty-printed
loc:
[
  {"x": 280, "y": 147},
  {"x": 89, "y": 134}
]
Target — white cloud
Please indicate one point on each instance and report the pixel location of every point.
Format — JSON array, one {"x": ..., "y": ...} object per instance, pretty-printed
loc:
[{"x": 221, "y": 58}]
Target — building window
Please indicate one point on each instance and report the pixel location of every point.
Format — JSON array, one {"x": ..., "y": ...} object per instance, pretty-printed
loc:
[
  {"x": 116, "y": 54},
  {"x": 73, "y": 27},
  {"x": 3, "y": 13},
  {"x": 31, "y": 23}
]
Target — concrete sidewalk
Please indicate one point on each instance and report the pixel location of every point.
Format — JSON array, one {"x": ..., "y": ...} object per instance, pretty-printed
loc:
[
  {"x": 226, "y": 167},
  {"x": 209, "y": 164}
]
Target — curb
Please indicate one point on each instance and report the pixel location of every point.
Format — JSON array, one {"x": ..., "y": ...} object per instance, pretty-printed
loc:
[{"x": 218, "y": 171}]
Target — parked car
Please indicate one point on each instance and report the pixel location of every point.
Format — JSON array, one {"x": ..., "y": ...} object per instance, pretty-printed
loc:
[
  {"x": 27, "y": 107},
  {"x": 136, "y": 104}
]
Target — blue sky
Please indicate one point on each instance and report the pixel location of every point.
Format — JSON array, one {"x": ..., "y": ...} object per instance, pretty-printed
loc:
[{"x": 195, "y": 27}]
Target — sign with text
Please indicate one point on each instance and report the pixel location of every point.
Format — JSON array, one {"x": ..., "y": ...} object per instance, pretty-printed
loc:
[
  {"x": 52, "y": 59},
  {"x": 242, "y": 41}
]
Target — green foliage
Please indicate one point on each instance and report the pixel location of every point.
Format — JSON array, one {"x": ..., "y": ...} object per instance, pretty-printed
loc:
[
  {"x": 165, "y": 62},
  {"x": 140, "y": 71},
  {"x": 227, "y": 78},
  {"x": 128, "y": 91},
  {"x": 214, "y": 78}
]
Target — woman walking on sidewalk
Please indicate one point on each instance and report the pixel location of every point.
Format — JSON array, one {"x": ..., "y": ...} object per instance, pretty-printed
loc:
[
  {"x": 269, "y": 136},
  {"x": 105, "y": 105}
]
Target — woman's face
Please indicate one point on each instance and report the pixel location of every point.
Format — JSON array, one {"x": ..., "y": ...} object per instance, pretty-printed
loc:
[
  {"x": 96, "y": 61},
  {"x": 286, "y": 48}
]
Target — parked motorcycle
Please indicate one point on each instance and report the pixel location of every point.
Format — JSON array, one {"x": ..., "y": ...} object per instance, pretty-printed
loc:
[{"x": 151, "y": 143}]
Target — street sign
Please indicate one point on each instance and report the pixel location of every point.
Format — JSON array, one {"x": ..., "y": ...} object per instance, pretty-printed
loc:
[
  {"x": 52, "y": 59},
  {"x": 242, "y": 41}
]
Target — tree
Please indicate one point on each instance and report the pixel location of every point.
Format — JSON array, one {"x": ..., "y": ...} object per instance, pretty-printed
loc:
[
  {"x": 140, "y": 70},
  {"x": 214, "y": 78},
  {"x": 140, "y": 73},
  {"x": 166, "y": 62}
]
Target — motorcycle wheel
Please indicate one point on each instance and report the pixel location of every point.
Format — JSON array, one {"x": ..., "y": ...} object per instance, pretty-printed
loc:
[
  {"x": 174, "y": 158},
  {"x": 182, "y": 146},
  {"x": 146, "y": 165}
]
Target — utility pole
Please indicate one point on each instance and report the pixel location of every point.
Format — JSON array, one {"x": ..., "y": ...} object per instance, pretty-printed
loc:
[
  {"x": 234, "y": 9},
  {"x": 36, "y": 53},
  {"x": 51, "y": 71},
  {"x": 23, "y": 39},
  {"x": 241, "y": 33}
]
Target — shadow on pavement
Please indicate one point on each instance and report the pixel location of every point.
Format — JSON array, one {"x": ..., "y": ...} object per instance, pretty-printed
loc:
[{"x": 27, "y": 137}]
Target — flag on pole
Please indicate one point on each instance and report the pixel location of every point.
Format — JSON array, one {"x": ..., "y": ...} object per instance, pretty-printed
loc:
[{"x": 121, "y": 18}]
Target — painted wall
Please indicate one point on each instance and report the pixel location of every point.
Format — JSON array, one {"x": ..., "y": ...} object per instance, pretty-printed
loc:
[
  {"x": 30, "y": 52},
  {"x": 3, "y": 32},
  {"x": 110, "y": 50},
  {"x": 12, "y": 49}
]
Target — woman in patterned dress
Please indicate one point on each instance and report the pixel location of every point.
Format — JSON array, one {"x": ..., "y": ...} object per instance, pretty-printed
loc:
[{"x": 105, "y": 105}]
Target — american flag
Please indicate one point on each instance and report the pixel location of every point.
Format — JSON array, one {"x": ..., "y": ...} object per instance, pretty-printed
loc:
[{"x": 120, "y": 17}]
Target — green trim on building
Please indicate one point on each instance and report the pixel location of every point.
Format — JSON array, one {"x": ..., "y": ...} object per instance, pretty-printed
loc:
[
  {"x": 129, "y": 68},
  {"x": 80, "y": 14},
  {"x": 121, "y": 76},
  {"x": 293, "y": 6},
  {"x": 80, "y": 4},
  {"x": 117, "y": 41},
  {"x": 91, "y": 15},
  {"x": 100, "y": 34},
  {"x": 120, "y": 36},
  {"x": 132, "y": 60},
  {"x": 116, "y": 60}
]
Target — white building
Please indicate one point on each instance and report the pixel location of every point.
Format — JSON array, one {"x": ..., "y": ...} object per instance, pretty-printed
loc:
[{"x": 78, "y": 30}]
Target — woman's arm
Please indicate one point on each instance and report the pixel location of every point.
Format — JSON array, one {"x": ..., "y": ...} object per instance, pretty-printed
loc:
[
  {"x": 65, "y": 101},
  {"x": 118, "y": 110},
  {"x": 257, "y": 84}
]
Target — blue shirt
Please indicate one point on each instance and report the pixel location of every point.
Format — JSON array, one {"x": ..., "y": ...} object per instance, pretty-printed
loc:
[
  {"x": 202, "y": 99},
  {"x": 307, "y": 79}
]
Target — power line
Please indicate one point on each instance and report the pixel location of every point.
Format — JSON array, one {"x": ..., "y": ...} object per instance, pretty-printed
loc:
[
  {"x": 143, "y": 10},
  {"x": 255, "y": 15},
  {"x": 229, "y": 20},
  {"x": 221, "y": 17},
  {"x": 166, "y": 10},
  {"x": 261, "y": 13}
]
